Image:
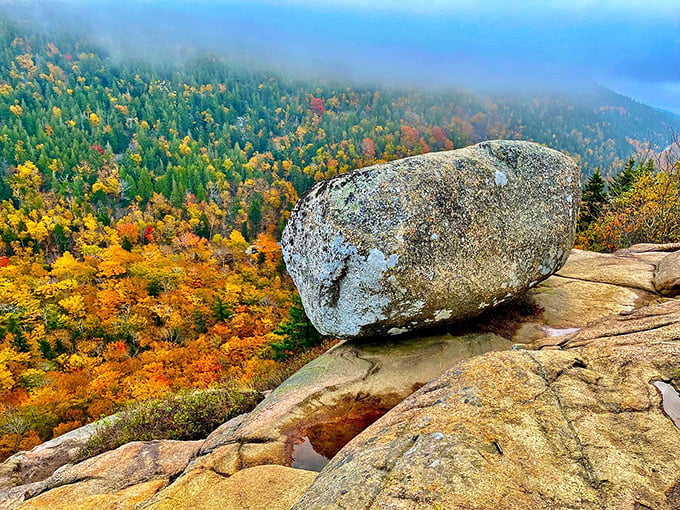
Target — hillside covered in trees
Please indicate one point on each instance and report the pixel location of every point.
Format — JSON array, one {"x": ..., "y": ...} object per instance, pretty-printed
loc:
[{"x": 141, "y": 203}]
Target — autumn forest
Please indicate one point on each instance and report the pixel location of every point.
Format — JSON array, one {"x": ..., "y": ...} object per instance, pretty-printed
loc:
[{"x": 141, "y": 204}]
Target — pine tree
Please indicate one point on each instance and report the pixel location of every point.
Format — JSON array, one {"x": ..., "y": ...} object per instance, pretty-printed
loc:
[
  {"x": 255, "y": 213},
  {"x": 46, "y": 350},
  {"x": 144, "y": 185},
  {"x": 298, "y": 332},
  {"x": 221, "y": 310},
  {"x": 593, "y": 199},
  {"x": 631, "y": 171},
  {"x": 19, "y": 341}
]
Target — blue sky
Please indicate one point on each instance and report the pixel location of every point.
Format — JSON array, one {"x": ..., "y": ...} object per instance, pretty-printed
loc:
[
  {"x": 458, "y": 6},
  {"x": 632, "y": 46}
]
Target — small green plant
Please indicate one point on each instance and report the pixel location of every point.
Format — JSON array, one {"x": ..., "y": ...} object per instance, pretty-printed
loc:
[{"x": 185, "y": 416}]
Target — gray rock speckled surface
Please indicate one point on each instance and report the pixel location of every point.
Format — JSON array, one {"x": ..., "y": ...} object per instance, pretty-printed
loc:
[{"x": 431, "y": 239}]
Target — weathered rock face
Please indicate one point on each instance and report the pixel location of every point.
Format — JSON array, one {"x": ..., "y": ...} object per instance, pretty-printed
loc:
[
  {"x": 323, "y": 406},
  {"x": 667, "y": 276},
  {"x": 255, "y": 488},
  {"x": 305, "y": 421},
  {"x": 579, "y": 427},
  {"x": 591, "y": 286},
  {"x": 431, "y": 239},
  {"x": 44, "y": 459},
  {"x": 107, "y": 479}
]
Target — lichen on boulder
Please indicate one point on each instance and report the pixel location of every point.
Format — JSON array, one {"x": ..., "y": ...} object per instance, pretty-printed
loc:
[{"x": 431, "y": 239}]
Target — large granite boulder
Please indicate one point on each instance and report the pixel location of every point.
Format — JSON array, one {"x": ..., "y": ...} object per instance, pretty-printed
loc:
[
  {"x": 591, "y": 424},
  {"x": 431, "y": 239}
]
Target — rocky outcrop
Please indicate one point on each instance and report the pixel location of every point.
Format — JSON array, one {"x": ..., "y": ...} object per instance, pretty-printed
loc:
[
  {"x": 306, "y": 420},
  {"x": 315, "y": 413},
  {"x": 650, "y": 247},
  {"x": 44, "y": 459},
  {"x": 312, "y": 415},
  {"x": 86, "y": 495},
  {"x": 579, "y": 426},
  {"x": 589, "y": 287},
  {"x": 667, "y": 275},
  {"x": 255, "y": 488},
  {"x": 431, "y": 239},
  {"x": 108, "y": 479}
]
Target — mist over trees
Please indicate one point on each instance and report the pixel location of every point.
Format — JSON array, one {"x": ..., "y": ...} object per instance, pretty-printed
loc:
[{"x": 141, "y": 202}]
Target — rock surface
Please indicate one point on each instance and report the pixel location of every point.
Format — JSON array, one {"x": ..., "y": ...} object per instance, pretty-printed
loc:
[
  {"x": 44, "y": 459},
  {"x": 326, "y": 403},
  {"x": 307, "y": 419},
  {"x": 86, "y": 495},
  {"x": 649, "y": 247},
  {"x": 255, "y": 488},
  {"x": 109, "y": 477},
  {"x": 589, "y": 287},
  {"x": 431, "y": 239},
  {"x": 667, "y": 276},
  {"x": 580, "y": 427}
]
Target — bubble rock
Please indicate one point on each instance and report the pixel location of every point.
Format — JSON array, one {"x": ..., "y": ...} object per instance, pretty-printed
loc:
[{"x": 431, "y": 239}]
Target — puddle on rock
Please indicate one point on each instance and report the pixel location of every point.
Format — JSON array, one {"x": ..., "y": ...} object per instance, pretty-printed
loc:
[
  {"x": 305, "y": 457},
  {"x": 536, "y": 335},
  {"x": 329, "y": 438},
  {"x": 559, "y": 331},
  {"x": 326, "y": 430},
  {"x": 671, "y": 401},
  {"x": 319, "y": 443}
]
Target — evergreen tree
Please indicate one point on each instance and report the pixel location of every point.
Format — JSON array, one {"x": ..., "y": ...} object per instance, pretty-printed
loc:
[
  {"x": 631, "y": 171},
  {"x": 60, "y": 238},
  {"x": 144, "y": 185},
  {"x": 221, "y": 310},
  {"x": 298, "y": 332},
  {"x": 19, "y": 339},
  {"x": 593, "y": 199},
  {"x": 46, "y": 349},
  {"x": 255, "y": 213}
]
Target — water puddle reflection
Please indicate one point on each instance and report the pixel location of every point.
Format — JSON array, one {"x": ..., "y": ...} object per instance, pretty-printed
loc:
[
  {"x": 306, "y": 457},
  {"x": 559, "y": 331},
  {"x": 671, "y": 401},
  {"x": 317, "y": 443},
  {"x": 324, "y": 432}
]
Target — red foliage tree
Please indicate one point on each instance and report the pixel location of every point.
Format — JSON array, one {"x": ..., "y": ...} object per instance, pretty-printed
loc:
[
  {"x": 368, "y": 149},
  {"x": 97, "y": 147},
  {"x": 148, "y": 234},
  {"x": 317, "y": 105}
]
